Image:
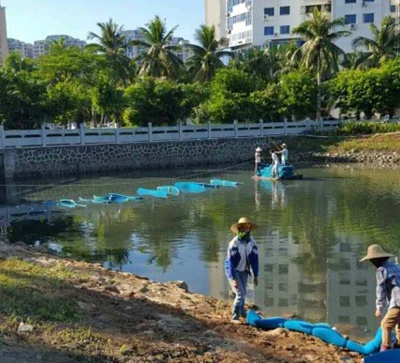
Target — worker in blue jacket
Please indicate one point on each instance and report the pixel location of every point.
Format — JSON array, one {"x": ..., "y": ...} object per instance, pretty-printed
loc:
[{"x": 242, "y": 261}]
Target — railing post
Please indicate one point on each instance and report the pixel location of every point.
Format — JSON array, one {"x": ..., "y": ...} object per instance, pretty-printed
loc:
[
  {"x": 180, "y": 130},
  {"x": 285, "y": 126},
  {"x": 261, "y": 127},
  {"x": 116, "y": 133},
  {"x": 150, "y": 130},
  {"x": 307, "y": 124},
  {"x": 2, "y": 144},
  {"x": 43, "y": 134},
  {"x": 82, "y": 134},
  {"x": 235, "y": 128},
  {"x": 209, "y": 128}
]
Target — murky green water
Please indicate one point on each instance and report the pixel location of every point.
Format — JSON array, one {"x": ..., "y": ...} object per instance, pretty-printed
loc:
[{"x": 311, "y": 234}]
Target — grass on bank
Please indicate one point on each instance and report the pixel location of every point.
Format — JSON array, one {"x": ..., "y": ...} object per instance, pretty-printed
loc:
[
  {"x": 389, "y": 142},
  {"x": 33, "y": 292},
  {"x": 39, "y": 295}
]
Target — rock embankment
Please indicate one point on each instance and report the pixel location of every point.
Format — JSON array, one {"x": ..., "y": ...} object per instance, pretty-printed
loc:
[{"x": 370, "y": 158}]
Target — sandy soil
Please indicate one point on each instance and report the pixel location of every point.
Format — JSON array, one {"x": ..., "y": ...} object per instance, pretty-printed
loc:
[{"x": 134, "y": 320}]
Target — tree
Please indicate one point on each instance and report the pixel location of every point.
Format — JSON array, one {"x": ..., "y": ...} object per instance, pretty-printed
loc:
[
  {"x": 384, "y": 45},
  {"x": 159, "y": 60},
  {"x": 230, "y": 97},
  {"x": 161, "y": 102},
  {"x": 111, "y": 43},
  {"x": 297, "y": 92},
  {"x": 368, "y": 91},
  {"x": 206, "y": 58},
  {"x": 319, "y": 53},
  {"x": 22, "y": 96}
]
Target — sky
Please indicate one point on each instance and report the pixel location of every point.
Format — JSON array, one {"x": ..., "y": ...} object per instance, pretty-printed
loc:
[{"x": 30, "y": 20}]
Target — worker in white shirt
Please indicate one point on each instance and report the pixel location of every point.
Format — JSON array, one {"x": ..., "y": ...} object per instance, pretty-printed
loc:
[
  {"x": 257, "y": 160},
  {"x": 275, "y": 164},
  {"x": 284, "y": 154}
]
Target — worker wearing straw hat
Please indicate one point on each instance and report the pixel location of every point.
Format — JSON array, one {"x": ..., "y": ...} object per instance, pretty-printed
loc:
[
  {"x": 387, "y": 293},
  {"x": 242, "y": 260}
]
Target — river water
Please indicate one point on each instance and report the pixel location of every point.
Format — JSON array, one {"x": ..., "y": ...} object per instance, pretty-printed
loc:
[{"x": 311, "y": 234}]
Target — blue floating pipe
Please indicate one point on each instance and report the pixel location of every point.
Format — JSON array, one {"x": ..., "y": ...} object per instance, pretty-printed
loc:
[
  {"x": 69, "y": 203},
  {"x": 152, "y": 192},
  {"x": 224, "y": 183},
  {"x": 190, "y": 187},
  {"x": 328, "y": 334},
  {"x": 171, "y": 189},
  {"x": 128, "y": 197}
]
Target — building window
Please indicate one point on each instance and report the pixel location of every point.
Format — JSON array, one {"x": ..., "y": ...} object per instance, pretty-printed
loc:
[
  {"x": 269, "y": 30},
  {"x": 368, "y": 1},
  {"x": 392, "y": 8},
  {"x": 269, "y": 11},
  {"x": 285, "y": 29},
  {"x": 344, "y": 301},
  {"x": 350, "y": 19},
  {"x": 283, "y": 269},
  {"x": 361, "y": 301},
  {"x": 361, "y": 321},
  {"x": 349, "y": 1},
  {"x": 368, "y": 18},
  {"x": 284, "y": 10}
]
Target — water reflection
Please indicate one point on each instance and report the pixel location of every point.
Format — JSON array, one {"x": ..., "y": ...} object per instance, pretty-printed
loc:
[
  {"x": 275, "y": 190},
  {"x": 312, "y": 233}
]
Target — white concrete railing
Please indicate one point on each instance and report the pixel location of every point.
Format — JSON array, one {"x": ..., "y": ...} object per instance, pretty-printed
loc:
[{"x": 83, "y": 136}]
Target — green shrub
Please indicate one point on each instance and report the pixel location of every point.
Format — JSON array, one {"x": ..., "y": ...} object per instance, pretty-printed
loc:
[{"x": 365, "y": 128}]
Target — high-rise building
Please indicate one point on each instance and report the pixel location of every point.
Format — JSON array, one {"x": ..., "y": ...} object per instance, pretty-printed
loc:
[
  {"x": 216, "y": 15},
  {"x": 25, "y": 49},
  {"x": 41, "y": 47},
  {"x": 264, "y": 22},
  {"x": 3, "y": 35},
  {"x": 133, "y": 51}
]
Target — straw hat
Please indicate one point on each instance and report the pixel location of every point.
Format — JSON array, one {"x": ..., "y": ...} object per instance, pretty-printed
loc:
[
  {"x": 259, "y": 149},
  {"x": 243, "y": 220},
  {"x": 375, "y": 251}
]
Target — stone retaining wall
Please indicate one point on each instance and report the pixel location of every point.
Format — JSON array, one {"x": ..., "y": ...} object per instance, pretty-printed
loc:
[
  {"x": 21, "y": 163},
  {"x": 370, "y": 158}
]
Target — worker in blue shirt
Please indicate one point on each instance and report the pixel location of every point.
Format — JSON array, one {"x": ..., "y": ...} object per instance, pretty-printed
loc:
[
  {"x": 242, "y": 260},
  {"x": 387, "y": 293}
]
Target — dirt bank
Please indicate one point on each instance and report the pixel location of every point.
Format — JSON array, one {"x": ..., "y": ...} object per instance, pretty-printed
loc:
[{"x": 84, "y": 313}]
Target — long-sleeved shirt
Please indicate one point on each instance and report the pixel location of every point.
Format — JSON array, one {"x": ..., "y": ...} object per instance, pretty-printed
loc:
[
  {"x": 387, "y": 286},
  {"x": 242, "y": 256}
]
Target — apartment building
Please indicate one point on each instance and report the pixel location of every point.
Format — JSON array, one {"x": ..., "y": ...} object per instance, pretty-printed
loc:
[
  {"x": 133, "y": 51},
  {"x": 351, "y": 287},
  {"x": 3, "y": 35},
  {"x": 25, "y": 49},
  {"x": 41, "y": 47},
  {"x": 216, "y": 15},
  {"x": 265, "y": 22}
]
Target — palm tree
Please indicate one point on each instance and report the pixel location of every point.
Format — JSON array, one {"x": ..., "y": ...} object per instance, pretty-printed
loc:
[
  {"x": 112, "y": 44},
  {"x": 384, "y": 45},
  {"x": 206, "y": 58},
  {"x": 319, "y": 53},
  {"x": 160, "y": 59}
]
